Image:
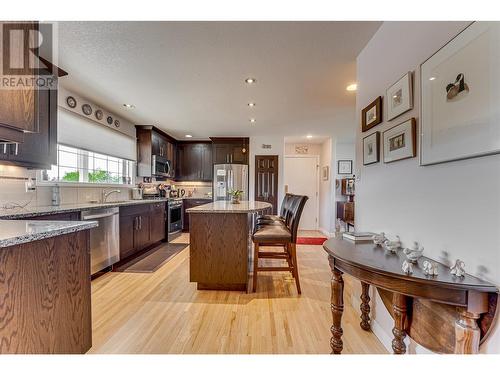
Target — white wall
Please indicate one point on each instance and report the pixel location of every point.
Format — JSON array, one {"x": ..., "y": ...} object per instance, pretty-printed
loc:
[
  {"x": 326, "y": 189},
  {"x": 277, "y": 148},
  {"x": 452, "y": 207}
]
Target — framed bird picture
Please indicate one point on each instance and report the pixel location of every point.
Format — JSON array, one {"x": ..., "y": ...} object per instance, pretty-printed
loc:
[{"x": 460, "y": 95}]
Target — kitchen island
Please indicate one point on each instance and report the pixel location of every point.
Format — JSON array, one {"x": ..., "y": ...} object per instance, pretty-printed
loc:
[
  {"x": 45, "y": 287},
  {"x": 221, "y": 243}
]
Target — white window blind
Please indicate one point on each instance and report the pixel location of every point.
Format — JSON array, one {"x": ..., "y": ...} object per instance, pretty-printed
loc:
[{"x": 77, "y": 131}]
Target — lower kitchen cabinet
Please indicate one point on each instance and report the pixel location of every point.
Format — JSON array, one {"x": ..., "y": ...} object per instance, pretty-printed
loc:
[
  {"x": 140, "y": 226},
  {"x": 189, "y": 203}
]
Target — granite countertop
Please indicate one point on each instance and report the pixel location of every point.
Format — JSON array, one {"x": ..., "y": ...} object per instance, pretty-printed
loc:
[
  {"x": 228, "y": 207},
  {"x": 15, "y": 232},
  {"x": 19, "y": 213}
]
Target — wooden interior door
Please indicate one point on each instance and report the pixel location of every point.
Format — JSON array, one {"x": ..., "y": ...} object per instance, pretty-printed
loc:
[{"x": 266, "y": 180}]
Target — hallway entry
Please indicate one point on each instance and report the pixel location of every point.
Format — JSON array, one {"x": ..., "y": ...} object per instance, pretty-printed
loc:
[{"x": 302, "y": 177}]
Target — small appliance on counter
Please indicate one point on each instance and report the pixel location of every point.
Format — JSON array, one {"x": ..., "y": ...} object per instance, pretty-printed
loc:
[
  {"x": 137, "y": 193},
  {"x": 150, "y": 191}
]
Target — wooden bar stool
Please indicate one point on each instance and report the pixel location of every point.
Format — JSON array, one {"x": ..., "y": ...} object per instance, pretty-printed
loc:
[{"x": 280, "y": 234}]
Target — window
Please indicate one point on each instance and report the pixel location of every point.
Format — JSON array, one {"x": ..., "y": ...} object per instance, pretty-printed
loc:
[{"x": 81, "y": 166}]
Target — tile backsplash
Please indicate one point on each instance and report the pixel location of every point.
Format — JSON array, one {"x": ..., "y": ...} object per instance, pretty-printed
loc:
[{"x": 13, "y": 190}]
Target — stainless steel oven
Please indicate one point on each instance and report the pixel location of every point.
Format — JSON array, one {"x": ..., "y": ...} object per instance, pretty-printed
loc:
[
  {"x": 175, "y": 217},
  {"x": 161, "y": 166}
]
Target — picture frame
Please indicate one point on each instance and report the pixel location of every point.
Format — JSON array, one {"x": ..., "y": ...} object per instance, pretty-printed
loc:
[
  {"x": 325, "y": 173},
  {"x": 399, "y": 96},
  {"x": 459, "y": 107},
  {"x": 400, "y": 141},
  {"x": 371, "y": 115},
  {"x": 344, "y": 167},
  {"x": 371, "y": 148}
]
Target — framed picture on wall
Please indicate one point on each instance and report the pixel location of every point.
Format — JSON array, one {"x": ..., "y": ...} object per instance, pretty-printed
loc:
[
  {"x": 399, "y": 96},
  {"x": 371, "y": 115},
  {"x": 344, "y": 167},
  {"x": 400, "y": 141},
  {"x": 371, "y": 148},
  {"x": 460, "y": 95}
]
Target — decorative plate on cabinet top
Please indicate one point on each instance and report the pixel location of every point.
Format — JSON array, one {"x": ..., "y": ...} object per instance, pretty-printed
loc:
[
  {"x": 117, "y": 123},
  {"x": 109, "y": 120},
  {"x": 71, "y": 102},
  {"x": 87, "y": 109},
  {"x": 99, "y": 114}
]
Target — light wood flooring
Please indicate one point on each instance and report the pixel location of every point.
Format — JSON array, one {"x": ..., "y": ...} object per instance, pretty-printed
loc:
[{"x": 162, "y": 312}]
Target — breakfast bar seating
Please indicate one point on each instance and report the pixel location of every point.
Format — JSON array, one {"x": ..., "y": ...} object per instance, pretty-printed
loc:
[{"x": 279, "y": 232}]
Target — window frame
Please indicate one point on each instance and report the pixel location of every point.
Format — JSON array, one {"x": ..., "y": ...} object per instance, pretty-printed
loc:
[{"x": 41, "y": 182}]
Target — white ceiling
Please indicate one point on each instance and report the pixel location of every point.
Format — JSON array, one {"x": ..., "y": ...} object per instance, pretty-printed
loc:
[{"x": 188, "y": 77}]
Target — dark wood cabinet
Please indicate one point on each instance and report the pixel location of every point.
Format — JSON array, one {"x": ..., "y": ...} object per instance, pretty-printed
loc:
[
  {"x": 157, "y": 222},
  {"x": 19, "y": 107},
  {"x": 230, "y": 150},
  {"x": 194, "y": 161},
  {"x": 141, "y": 226},
  {"x": 189, "y": 203},
  {"x": 152, "y": 141},
  {"x": 39, "y": 150}
]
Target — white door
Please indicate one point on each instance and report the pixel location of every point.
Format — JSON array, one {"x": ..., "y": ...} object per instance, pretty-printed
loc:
[{"x": 301, "y": 177}]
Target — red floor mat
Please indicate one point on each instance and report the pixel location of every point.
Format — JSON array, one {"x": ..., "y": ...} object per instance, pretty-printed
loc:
[{"x": 311, "y": 240}]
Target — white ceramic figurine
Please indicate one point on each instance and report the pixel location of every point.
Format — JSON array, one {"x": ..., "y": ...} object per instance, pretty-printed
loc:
[
  {"x": 414, "y": 252},
  {"x": 393, "y": 246},
  {"x": 458, "y": 269},
  {"x": 407, "y": 267},
  {"x": 379, "y": 239},
  {"x": 430, "y": 268}
]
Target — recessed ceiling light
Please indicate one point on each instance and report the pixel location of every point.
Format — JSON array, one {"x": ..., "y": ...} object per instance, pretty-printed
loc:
[
  {"x": 432, "y": 78},
  {"x": 129, "y": 106},
  {"x": 251, "y": 104},
  {"x": 252, "y": 120},
  {"x": 352, "y": 87},
  {"x": 188, "y": 136},
  {"x": 309, "y": 136},
  {"x": 250, "y": 80}
]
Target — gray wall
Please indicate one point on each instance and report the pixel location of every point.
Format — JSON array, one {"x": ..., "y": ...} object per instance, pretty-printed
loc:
[{"x": 452, "y": 207}]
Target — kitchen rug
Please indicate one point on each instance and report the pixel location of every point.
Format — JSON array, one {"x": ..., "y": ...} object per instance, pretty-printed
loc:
[
  {"x": 153, "y": 259},
  {"x": 311, "y": 240}
]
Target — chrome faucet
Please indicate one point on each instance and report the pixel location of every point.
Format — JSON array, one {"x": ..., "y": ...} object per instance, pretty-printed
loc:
[{"x": 106, "y": 194}]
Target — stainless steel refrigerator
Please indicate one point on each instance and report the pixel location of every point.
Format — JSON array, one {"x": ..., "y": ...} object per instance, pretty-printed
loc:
[{"x": 230, "y": 177}]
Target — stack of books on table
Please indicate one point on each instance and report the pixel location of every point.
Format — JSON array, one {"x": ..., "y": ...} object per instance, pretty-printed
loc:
[{"x": 358, "y": 236}]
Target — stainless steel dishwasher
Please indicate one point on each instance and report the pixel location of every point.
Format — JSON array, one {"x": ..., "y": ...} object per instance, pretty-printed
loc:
[{"x": 105, "y": 239}]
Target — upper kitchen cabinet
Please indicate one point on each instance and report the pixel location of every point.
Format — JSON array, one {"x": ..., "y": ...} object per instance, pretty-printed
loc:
[
  {"x": 38, "y": 150},
  {"x": 194, "y": 161},
  {"x": 155, "y": 153},
  {"x": 230, "y": 150},
  {"x": 18, "y": 107}
]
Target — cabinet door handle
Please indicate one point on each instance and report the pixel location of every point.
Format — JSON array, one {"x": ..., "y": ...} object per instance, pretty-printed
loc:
[
  {"x": 135, "y": 223},
  {"x": 140, "y": 222},
  {"x": 16, "y": 148}
]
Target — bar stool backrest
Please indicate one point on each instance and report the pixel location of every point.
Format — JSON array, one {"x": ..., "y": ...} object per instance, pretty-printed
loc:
[
  {"x": 297, "y": 208},
  {"x": 285, "y": 204}
]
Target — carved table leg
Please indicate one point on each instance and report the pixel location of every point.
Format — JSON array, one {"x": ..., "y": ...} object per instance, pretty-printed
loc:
[
  {"x": 399, "y": 310},
  {"x": 365, "y": 307},
  {"x": 337, "y": 306},
  {"x": 467, "y": 333}
]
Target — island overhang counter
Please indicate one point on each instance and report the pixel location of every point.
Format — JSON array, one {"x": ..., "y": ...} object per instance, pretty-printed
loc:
[{"x": 221, "y": 243}]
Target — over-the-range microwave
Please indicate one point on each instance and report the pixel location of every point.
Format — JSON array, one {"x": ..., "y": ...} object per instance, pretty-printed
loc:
[{"x": 161, "y": 167}]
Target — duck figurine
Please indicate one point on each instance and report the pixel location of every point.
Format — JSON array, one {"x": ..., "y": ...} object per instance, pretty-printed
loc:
[
  {"x": 414, "y": 252},
  {"x": 393, "y": 246},
  {"x": 379, "y": 239},
  {"x": 407, "y": 267},
  {"x": 458, "y": 269},
  {"x": 430, "y": 268}
]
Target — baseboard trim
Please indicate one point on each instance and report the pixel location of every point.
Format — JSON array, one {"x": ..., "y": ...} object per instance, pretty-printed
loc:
[
  {"x": 326, "y": 233},
  {"x": 382, "y": 335}
]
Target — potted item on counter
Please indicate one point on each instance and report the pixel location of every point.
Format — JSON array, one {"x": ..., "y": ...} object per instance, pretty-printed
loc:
[{"x": 235, "y": 196}]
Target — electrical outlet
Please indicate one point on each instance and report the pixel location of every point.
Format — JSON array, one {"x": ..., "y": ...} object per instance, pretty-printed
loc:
[{"x": 30, "y": 185}]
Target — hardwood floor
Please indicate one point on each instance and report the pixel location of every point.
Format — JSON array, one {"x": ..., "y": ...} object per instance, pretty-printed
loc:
[{"x": 162, "y": 312}]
